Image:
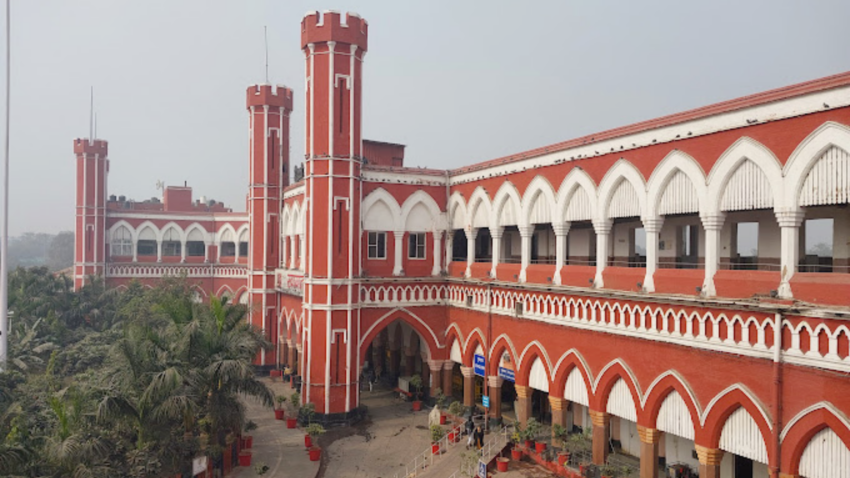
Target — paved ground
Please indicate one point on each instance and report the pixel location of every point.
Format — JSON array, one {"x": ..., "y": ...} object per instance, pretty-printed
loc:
[
  {"x": 381, "y": 447},
  {"x": 275, "y": 445}
]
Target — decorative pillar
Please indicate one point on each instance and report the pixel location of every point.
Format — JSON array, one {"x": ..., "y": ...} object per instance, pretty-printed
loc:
[
  {"x": 436, "y": 369},
  {"x": 559, "y": 413},
  {"x": 495, "y": 391},
  {"x": 496, "y": 234},
  {"x": 409, "y": 365},
  {"x": 649, "y": 438},
  {"x": 159, "y": 251},
  {"x": 301, "y": 251},
  {"x": 293, "y": 252},
  {"x": 523, "y": 403},
  {"x": 450, "y": 237},
  {"x": 448, "y": 371},
  {"x": 709, "y": 461},
  {"x": 713, "y": 224},
  {"x": 789, "y": 224},
  {"x": 471, "y": 234},
  {"x": 600, "y": 421},
  {"x": 438, "y": 239},
  {"x": 525, "y": 233},
  {"x": 468, "y": 386},
  {"x": 561, "y": 231},
  {"x": 398, "y": 236},
  {"x": 284, "y": 252},
  {"x": 298, "y": 351},
  {"x": 652, "y": 226},
  {"x": 395, "y": 361},
  {"x": 182, "y": 251},
  {"x": 603, "y": 231},
  {"x": 290, "y": 356}
]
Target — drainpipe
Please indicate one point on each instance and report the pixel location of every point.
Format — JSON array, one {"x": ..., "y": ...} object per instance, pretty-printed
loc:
[{"x": 777, "y": 390}]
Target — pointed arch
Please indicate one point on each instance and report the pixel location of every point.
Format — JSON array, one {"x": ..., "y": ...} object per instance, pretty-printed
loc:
[
  {"x": 577, "y": 198},
  {"x": 295, "y": 218},
  {"x": 147, "y": 231},
  {"x": 670, "y": 403},
  {"x": 622, "y": 185},
  {"x": 806, "y": 426},
  {"x": 474, "y": 340},
  {"x": 608, "y": 377},
  {"x": 501, "y": 345},
  {"x": 534, "y": 350},
  {"x": 381, "y": 212},
  {"x": 412, "y": 217},
  {"x": 747, "y": 414},
  {"x": 405, "y": 316},
  {"x": 458, "y": 217},
  {"x": 122, "y": 223},
  {"x": 507, "y": 206},
  {"x": 193, "y": 228},
  {"x": 224, "y": 290},
  {"x": 809, "y": 155},
  {"x": 226, "y": 233},
  {"x": 539, "y": 202},
  {"x": 741, "y": 151},
  {"x": 677, "y": 185},
  {"x": 172, "y": 226},
  {"x": 285, "y": 218},
  {"x": 479, "y": 208}
]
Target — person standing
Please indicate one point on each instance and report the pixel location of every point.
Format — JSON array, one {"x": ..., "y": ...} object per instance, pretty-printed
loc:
[
  {"x": 469, "y": 427},
  {"x": 478, "y": 437}
]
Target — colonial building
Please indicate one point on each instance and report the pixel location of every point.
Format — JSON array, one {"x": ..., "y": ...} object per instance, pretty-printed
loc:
[{"x": 680, "y": 285}]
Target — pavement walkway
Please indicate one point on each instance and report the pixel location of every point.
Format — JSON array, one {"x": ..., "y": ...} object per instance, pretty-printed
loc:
[{"x": 276, "y": 446}]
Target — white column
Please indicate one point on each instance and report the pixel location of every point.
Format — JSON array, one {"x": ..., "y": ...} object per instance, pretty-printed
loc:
[
  {"x": 159, "y": 251},
  {"x": 135, "y": 251},
  {"x": 471, "y": 233},
  {"x": 450, "y": 236},
  {"x": 207, "y": 252},
  {"x": 652, "y": 226},
  {"x": 399, "y": 237},
  {"x": 525, "y": 233},
  {"x": 789, "y": 249},
  {"x": 284, "y": 250},
  {"x": 292, "y": 252},
  {"x": 182, "y": 251},
  {"x": 713, "y": 224},
  {"x": 561, "y": 231},
  {"x": 603, "y": 231},
  {"x": 496, "y": 233},
  {"x": 438, "y": 238},
  {"x": 301, "y": 252}
]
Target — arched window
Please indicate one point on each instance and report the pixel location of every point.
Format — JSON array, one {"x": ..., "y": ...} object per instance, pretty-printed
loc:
[
  {"x": 243, "y": 243},
  {"x": 228, "y": 244},
  {"x": 195, "y": 246},
  {"x": 146, "y": 246},
  {"x": 122, "y": 242},
  {"x": 171, "y": 243}
]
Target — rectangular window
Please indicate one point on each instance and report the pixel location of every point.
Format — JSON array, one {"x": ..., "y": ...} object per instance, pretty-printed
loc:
[
  {"x": 195, "y": 249},
  {"x": 687, "y": 247},
  {"x": 146, "y": 248},
  {"x": 377, "y": 245},
  {"x": 243, "y": 249},
  {"x": 228, "y": 249},
  {"x": 637, "y": 248},
  {"x": 818, "y": 244},
  {"x": 416, "y": 245},
  {"x": 746, "y": 245}
]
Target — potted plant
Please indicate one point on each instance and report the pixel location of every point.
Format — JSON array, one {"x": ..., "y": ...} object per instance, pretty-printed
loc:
[
  {"x": 502, "y": 463},
  {"x": 532, "y": 429},
  {"x": 416, "y": 383},
  {"x": 440, "y": 400},
  {"x": 609, "y": 471},
  {"x": 456, "y": 409},
  {"x": 436, "y": 435},
  {"x": 559, "y": 434},
  {"x": 294, "y": 402},
  {"x": 314, "y": 430},
  {"x": 279, "y": 411},
  {"x": 516, "y": 438},
  {"x": 261, "y": 469},
  {"x": 248, "y": 440}
]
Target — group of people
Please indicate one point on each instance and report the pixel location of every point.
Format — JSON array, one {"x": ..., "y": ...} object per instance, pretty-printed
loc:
[{"x": 475, "y": 434}]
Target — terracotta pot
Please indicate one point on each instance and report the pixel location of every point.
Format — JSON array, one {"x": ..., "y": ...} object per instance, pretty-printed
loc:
[
  {"x": 249, "y": 441},
  {"x": 452, "y": 437},
  {"x": 308, "y": 441},
  {"x": 245, "y": 458},
  {"x": 315, "y": 453},
  {"x": 442, "y": 419},
  {"x": 435, "y": 448},
  {"x": 279, "y": 414},
  {"x": 291, "y": 422},
  {"x": 502, "y": 464},
  {"x": 540, "y": 447},
  {"x": 563, "y": 457},
  {"x": 529, "y": 444},
  {"x": 516, "y": 454},
  {"x": 417, "y": 405}
]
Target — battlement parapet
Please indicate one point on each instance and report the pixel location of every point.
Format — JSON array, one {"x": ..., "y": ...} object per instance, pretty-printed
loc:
[
  {"x": 269, "y": 95},
  {"x": 329, "y": 26},
  {"x": 86, "y": 146}
]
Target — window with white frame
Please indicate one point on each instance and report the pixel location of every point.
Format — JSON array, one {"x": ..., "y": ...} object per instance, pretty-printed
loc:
[
  {"x": 171, "y": 243},
  {"x": 377, "y": 245},
  {"x": 146, "y": 245},
  {"x": 195, "y": 246},
  {"x": 416, "y": 245},
  {"x": 122, "y": 242}
]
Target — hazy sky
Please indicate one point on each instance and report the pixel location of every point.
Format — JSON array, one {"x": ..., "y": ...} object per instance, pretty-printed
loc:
[{"x": 457, "y": 81}]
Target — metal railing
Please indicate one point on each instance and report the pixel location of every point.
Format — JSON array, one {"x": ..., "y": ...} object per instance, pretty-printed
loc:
[
  {"x": 425, "y": 458},
  {"x": 493, "y": 447}
]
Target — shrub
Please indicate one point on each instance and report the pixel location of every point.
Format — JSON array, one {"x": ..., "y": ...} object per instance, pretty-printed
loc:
[{"x": 436, "y": 433}]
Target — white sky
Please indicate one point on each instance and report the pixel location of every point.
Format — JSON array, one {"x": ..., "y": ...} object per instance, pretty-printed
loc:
[{"x": 457, "y": 82}]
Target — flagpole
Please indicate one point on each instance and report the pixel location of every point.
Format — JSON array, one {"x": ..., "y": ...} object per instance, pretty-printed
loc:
[{"x": 4, "y": 233}]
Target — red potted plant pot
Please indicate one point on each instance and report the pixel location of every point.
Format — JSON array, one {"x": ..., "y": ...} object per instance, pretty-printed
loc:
[
  {"x": 291, "y": 422},
  {"x": 308, "y": 441},
  {"x": 442, "y": 419},
  {"x": 245, "y": 458},
  {"x": 452, "y": 436},
  {"x": 529, "y": 444},
  {"x": 502, "y": 464},
  {"x": 435, "y": 448},
  {"x": 279, "y": 414},
  {"x": 516, "y": 454},
  {"x": 417, "y": 405},
  {"x": 540, "y": 447},
  {"x": 249, "y": 441},
  {"x": 315, "y": 453},
  {"x": 563, "y": 458}
]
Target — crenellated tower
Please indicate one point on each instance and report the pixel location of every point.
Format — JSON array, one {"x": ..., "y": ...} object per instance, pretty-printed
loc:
[
  {"x": 90, "y": 222},
  {"x": 269, "y": 108},
  {"x": 334, "y": 46}
]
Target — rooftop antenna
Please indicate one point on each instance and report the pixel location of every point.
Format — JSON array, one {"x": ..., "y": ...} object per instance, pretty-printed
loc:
[
  {"x": 266, "y": 39},
  {"x": 95, "y": 125},
  {"x": 91, "y": 116}
]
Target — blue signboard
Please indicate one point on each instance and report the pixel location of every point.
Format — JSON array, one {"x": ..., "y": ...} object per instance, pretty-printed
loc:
[
  {"x": 478, "y": 365},
  {"x": 507, "y": 374},
  {"x": 485, "y": 401},
  {"x": 482, "y": 469}
]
